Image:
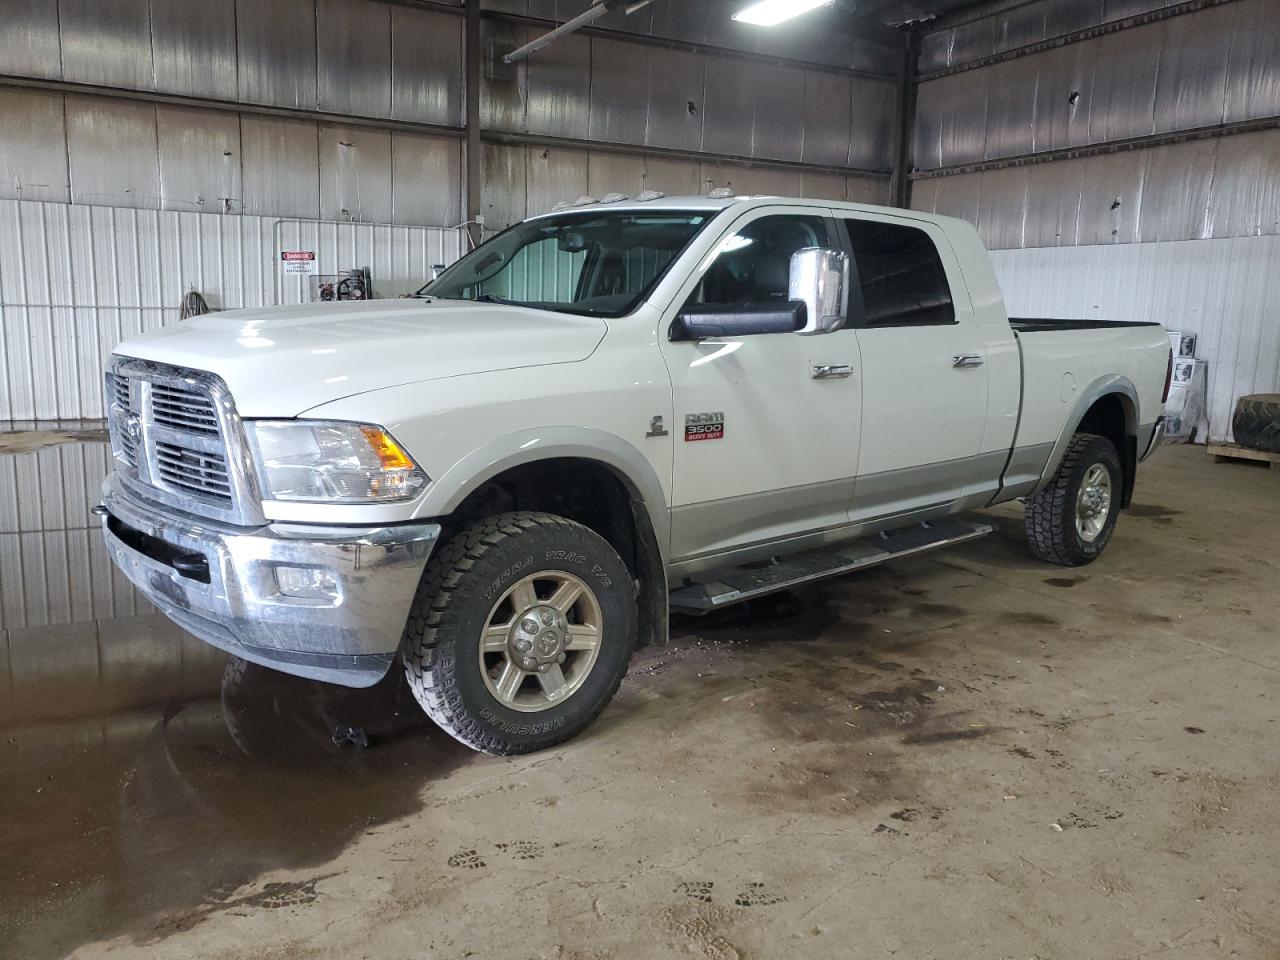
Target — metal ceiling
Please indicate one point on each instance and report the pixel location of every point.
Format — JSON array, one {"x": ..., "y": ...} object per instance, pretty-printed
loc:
[{"x": 895, "y": 12}]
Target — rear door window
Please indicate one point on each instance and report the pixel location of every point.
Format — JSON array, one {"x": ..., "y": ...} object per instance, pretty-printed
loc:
[{"x": 903, "y": 281}]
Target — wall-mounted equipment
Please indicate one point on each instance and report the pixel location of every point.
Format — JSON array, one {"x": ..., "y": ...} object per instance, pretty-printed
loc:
[{"x": 349, "y": 285}]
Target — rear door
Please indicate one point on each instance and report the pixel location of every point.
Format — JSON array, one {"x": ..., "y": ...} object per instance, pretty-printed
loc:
[
  {"x": 924, "y": 373},
  {"x": 766, "y": 426}
]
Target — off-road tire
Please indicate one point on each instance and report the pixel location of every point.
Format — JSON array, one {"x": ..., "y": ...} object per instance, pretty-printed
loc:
[
  {"x": 1050, "y": 516},
  {"x": 1256, "y": 423},
  {"x": 457, "y": 593}
]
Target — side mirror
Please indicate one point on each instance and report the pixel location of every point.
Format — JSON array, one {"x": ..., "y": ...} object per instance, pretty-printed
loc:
[
  {"x": 701, "y": 322},
  {"x": 820, "y": 278}
]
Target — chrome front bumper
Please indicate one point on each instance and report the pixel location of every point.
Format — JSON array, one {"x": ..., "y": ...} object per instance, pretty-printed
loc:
[{"x": 224, "y": 585}]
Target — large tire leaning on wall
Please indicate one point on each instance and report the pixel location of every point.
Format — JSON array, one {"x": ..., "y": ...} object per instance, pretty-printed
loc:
[{"x": 1257, "y": 422}]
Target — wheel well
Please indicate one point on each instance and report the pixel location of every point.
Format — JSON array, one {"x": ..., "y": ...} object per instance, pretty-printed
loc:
[
  {"x": 594, "y": 495},
  {"x": 1111, "y": 417}
]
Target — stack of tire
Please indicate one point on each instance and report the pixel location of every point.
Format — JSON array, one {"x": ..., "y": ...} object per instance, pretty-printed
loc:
[{"x": 1257, "y": 422}]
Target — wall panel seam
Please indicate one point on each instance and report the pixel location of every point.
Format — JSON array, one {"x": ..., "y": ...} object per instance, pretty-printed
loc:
[
  {"x": 1146, "y": 141},
  {"x": 1075, "y": 36}
]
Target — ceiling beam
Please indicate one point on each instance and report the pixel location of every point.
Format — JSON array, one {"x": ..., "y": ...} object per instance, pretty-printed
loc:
[
  {"x": 593, "y": 13},
  {"x": 868, "y": 29}
]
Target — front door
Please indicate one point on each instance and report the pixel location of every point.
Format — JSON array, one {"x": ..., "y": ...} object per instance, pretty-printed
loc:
[{"x": 766, "y": 425}]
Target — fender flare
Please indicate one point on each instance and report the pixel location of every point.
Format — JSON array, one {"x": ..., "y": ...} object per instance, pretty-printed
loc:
[
  {"x": 501, "y": 454},
  {"x": 1104, "y": 386}
]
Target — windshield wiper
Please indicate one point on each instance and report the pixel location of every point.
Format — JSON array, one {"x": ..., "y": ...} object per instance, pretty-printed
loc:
[{"x": 494, "y": 298}]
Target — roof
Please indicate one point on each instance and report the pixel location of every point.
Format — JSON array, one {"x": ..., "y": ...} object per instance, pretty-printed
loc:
[
  {"x": 662, "y": 203},
  {"x": 716, "y": 205}
]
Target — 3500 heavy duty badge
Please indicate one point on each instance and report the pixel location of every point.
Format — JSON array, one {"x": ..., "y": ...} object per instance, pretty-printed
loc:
[{"x": 703, "y": 426}]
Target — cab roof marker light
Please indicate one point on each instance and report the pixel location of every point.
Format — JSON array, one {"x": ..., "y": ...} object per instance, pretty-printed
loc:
[
  {"x": 647, "y": 195},
  {"x": 585, "y": 201},
  {"x": 770, "y": 13},
  {"x": 614, "y": 198},
  {"x": 721, "y": 193}
]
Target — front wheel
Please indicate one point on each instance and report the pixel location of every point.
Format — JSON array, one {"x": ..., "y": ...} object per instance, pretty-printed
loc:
[
  {"x": 521, "y": 632},
  {"x": 1071, "y": 520}
]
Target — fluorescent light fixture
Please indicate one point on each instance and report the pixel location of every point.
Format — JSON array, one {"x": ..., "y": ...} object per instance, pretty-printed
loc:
[{"x": 770, "y": 13}]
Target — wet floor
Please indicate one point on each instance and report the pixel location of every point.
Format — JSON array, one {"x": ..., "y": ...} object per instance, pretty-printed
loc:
[
  {"x": 146, "y": 824},
  {"x": 144, "y": 784}
]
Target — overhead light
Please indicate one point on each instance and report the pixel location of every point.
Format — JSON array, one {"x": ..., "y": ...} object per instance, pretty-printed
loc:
[{"x": 770, "y": 13}]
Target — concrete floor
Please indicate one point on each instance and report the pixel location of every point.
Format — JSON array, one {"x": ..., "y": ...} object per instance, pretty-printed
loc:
[{"x": 966, "y": 756}]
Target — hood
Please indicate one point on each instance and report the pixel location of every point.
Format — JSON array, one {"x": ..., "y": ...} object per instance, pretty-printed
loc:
[{"x": 282, "y": 361}]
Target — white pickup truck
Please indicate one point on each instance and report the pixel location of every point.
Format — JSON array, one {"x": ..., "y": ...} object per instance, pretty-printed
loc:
[{"x": 600, "y": 415}]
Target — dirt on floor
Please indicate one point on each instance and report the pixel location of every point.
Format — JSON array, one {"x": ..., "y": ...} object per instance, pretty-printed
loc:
[{"x": 968, "y": 755}]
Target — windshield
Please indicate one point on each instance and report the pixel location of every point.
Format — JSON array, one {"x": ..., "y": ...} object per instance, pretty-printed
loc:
[{"x": 598, "y": 264}]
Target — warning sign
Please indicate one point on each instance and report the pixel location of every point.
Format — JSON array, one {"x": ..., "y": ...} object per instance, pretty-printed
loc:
[{"x": 298, "y": 262}]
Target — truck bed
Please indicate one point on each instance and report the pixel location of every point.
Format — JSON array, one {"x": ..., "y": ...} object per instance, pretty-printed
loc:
[{"x": 1041, "y": 325}]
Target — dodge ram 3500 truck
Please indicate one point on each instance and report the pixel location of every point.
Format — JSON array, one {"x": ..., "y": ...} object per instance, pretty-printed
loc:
[{"x": 600, "y": 415}]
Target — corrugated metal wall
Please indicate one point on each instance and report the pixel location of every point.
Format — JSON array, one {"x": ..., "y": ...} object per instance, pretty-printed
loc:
[
  {"x": 1227, "y": 291},
  {"x": 125, "y": 153},
  {"x": 1219, "y": 65},
  {"x": 1201, "y": 189},
  {"x": 1201, "y": 71},
  {"x": 524, "y": 180},
  {"x": 823, "y": 37},
  {"x": 398, "y": 62},
  {"x": 1129, "y": 171},
  {"x": 601, "y": 90},
  {"x": 75, "y": 280}
]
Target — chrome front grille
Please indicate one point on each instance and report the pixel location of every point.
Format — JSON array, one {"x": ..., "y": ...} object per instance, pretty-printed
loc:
[
  {"x": 202, "y": 474},
  {"x": 183, "y": 409},
  {"x": 177, "y": 440},
  {"x": 123, "y": 413},
  {"x": 122, "y": 392}
]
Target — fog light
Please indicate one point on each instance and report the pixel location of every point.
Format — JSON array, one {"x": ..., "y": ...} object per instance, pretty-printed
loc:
[{"x": 307, "y": 583}]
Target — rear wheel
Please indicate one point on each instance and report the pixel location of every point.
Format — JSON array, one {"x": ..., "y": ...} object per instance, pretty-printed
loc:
[
  {"x": 521, "y": 632},
  {"x": 1071, "y": 520}
]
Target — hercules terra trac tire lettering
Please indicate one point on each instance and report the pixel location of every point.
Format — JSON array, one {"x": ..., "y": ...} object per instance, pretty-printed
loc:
[
  {"x": 517, "y": 589},
  {"x": 1071, "y": 520},
  {"x": 1257, "y": 422}
]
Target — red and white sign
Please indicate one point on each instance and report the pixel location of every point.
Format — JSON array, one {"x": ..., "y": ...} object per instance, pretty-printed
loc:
[{"x": 298, "y": 261}]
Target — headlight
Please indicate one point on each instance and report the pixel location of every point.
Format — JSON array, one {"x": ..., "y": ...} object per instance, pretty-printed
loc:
[{"x": 332, "y": 461}]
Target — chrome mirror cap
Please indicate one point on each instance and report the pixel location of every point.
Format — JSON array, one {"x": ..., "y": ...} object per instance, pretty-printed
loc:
[{"x": 820, "y": 278}]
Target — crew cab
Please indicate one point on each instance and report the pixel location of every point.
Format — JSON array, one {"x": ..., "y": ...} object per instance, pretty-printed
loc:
[{"x": 504, "y": 484}]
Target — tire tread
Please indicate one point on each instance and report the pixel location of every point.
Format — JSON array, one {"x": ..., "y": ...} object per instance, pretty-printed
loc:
[
  {"x": 1256, "y": 423},
  {"x": 428, "y": 662},
  {"x": 1049, "y": 516}
]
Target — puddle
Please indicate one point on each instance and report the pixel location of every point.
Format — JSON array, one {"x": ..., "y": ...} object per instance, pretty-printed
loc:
[
  {"x": 148, "y": 824},
  {"x": 136, "y": 801}
]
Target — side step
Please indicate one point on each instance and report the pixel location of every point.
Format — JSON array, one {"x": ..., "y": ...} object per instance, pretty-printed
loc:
[{"x": 729, "y": 585}]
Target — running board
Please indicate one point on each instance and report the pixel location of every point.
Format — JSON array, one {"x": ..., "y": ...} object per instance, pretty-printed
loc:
[{"x": 730, "y": 585}]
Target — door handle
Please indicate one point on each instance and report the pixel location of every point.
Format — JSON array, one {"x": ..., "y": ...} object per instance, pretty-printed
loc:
[
  {"x": 830, "y": 371},
  {"x": 968, "y": 360}
]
